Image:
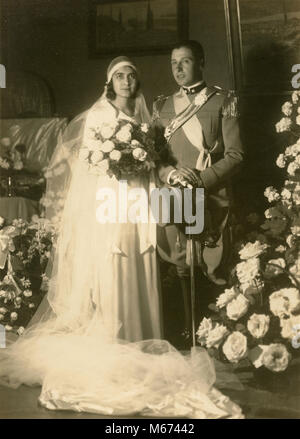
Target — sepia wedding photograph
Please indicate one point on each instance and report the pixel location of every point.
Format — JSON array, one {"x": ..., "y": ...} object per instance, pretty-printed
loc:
[{"x": 150, "y": 212}]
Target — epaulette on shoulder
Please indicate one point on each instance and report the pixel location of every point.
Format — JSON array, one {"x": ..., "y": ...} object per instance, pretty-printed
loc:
[{"x": 230, "y": 107}]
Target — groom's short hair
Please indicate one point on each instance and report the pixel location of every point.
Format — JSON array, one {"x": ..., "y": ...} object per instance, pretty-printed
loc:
[{"x": 195, "y": 47}]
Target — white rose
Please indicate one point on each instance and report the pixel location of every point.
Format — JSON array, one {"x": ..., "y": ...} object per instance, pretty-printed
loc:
[
  {"x": 251, "y": 250},
  {"x": 283, "y": 125},
  {"x": 139, "y": 154},
  {"x": 5, "y": 141},
  {"x": 115, "y": 155},
  {"x": 258, "y": 325},
  {"x": 216, "y": 335},
  {"x": 226, "y": 297},
  {"x": 135, "y": 144},
  {"x": 83, "y": 154},
  {"x": 295, "y": 230},
  {"x": 292, "y": 168},
  {"x": 93, "y": 144},
  {"x": 289, "y": 327},
  {"x": 281, "y": 161},
  {"x": 276, "y": 357},
  {"x": 284, "y": 302},
  {"x": 237, "y": 307},
  {"x": 96, "y": 157},
  {"x": 290, "y": 240},
  {"x": 298, "y": 119},
  {"x": 271, "y": 194},
  {"x": 27, "y": 293},
  {"x": 274, "y": 267},
  {"x": 107, "y": 146},
  {"x": 247, "y": 271},
  {"x": 204, "y": 328},
  {"x": 108, "y": 130},
  {"x": 124, "y": 135},
  {"x": 144, "y": 127},
  {"x": 13, "y": 316},
  {"x": 287, "y": 108},
  {"x": 31, "y": 305},
  {"x": 235, "y": 347},
  {"x": 254, "y": 287}
]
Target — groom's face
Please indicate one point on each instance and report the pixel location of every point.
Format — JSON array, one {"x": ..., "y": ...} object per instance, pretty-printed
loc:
[{"x": 186, "y": 70}]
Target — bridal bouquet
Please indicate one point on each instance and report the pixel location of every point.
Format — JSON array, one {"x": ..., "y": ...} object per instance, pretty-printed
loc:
[
  {"x": 120, "y": 148},
  {"x": 258, "y": 318}
]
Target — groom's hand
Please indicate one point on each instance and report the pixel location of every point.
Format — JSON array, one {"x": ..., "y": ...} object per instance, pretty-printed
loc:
[{"x": 184, "y": 176}]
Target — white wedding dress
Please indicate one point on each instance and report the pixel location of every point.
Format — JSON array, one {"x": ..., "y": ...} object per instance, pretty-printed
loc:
[{"x": 99, "y": 349}]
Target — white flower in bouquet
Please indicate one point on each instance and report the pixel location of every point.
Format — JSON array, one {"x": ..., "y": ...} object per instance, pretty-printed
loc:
[
  {"x": 31, "y": 305},
  {"x": 83, "y": 154},
  {"x": 284, "y": 302},
  {"x": 287, "y": 108},
  {"x": 248, "y": 270},
  {"x": 20, "y": 330},
  {"x": 13, "y": 316},
  {"x": 115, "y": 155},
  {"x": 216, "y": 336},
  {"x": 8, "y": 328},
  {"x": 135, "y": 144},
  {"x": 235, "y": 347},
  {"x": 18, "y": 165},
  {"x": 298, "y": 119},
  {"x": 124, "y": 135},
  {"x": 92, "y": 144},
  {"x": 276, "y": 357},
  {"x": 271, "y": 194},
  {"x": 204, "y": 329},
  {"x": 281, "y": 161},
  {"x": 96, "y": 157},
  {"x": 292, "y": 168},
  {"x": 289, "y": 327},
  {"x": 292, "y": 150},
  {"x": 107, "y": 146},
  {"x": 108, "y": 130},
  {"x": 280, "y": 249},
  {"x": 226, "y": 297},
  {"x": 295, "y": 230},
  {"x": 139, "y": 154},
  {"x": 145, "y": 127},
  {"x": 274, "y": 267},
  {"x": 1, "y": 317},
  {"x": 2, "y": 221},
  {"x": 27, "y": 293},
  {"x": 295, "y": 270},
  {"x": 5, "y": 141},
  {"x": 237, "y": 307},
  {"x": 258, "y": 325},
  {"x": 283, "y": 125},
  {"x": 251, "y": 250},
  {"x": 296, "y": 196}
]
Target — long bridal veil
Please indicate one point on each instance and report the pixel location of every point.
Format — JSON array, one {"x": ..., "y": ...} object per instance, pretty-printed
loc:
[{"x": 71, "y": 351}]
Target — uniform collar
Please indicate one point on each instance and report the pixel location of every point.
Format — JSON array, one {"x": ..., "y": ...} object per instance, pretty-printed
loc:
[{"x": 195, "y": 88}]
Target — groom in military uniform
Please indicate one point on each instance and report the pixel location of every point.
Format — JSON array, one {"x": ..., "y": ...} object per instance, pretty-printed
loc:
[{"x": 201, "y": 126}]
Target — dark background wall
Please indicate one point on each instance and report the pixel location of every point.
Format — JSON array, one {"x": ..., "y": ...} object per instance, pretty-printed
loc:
[{"x": 50, "y": 38}]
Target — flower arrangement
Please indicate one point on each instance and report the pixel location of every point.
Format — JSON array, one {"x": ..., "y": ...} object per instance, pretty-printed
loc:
[
  {"x": 11, "y": 157},
  {"x": 258, "y": 318},
  {"x": 121, "y": 148},
  {"x": 24, "y": 253}
]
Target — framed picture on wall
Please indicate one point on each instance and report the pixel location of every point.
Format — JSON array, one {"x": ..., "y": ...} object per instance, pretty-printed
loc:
[
  {"x": 136, "y": 26},
  {"x": 263, "y": 43}
]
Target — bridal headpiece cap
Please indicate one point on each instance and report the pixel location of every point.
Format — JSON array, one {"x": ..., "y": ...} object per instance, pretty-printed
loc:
[{"x": 120, "y": 61}]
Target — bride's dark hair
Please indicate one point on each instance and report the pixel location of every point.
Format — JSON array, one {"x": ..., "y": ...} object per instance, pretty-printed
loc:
[{"x": 110, "y": 92}]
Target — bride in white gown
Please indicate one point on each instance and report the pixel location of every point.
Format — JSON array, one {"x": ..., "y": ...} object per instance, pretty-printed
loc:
[{"x": 98, "y": 347}]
